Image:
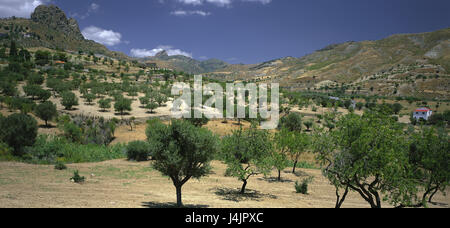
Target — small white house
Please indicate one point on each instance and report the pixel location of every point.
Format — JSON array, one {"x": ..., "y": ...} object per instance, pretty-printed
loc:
[{"x": 422, "y": 113}]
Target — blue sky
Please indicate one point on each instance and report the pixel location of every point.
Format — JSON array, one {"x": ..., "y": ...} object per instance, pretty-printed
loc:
[{"x": 242, "y": 31}]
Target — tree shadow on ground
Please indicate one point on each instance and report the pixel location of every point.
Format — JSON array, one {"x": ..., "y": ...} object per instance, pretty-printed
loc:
[
  {"x": 170, "y": 205},
  {"x": 439, "y": 204},
  {"x": 275, "y": 180},
  {"x": 297, "y": 173},
  {"x": 124, "y": 114},
  {"x": 46, "y": 127},
  {"x": 232, "y": 194}
]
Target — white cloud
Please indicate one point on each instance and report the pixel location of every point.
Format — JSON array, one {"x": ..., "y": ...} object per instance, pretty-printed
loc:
[
  {"x": 103, "y": 36},
  {"x": 142, "y": 53},
  {"x": 188, "y": 13},
  {"x": 220, "y": 3},
  {"x": 191, "y": 2},
  {"x": 94, "y": 7},
  {"x": 19, "y": 8},
  {"x": 259, "y": 1}
]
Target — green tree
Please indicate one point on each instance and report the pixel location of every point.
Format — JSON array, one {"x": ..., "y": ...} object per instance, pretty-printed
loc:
[
  {"x": 429, "y": 155},
  {"x": 292, "y": 122},
  {"x": 13, "y": 52},
  {"x": 308, "y": 125},
  {"x": 46, "y": 111},
  {"x": 90, "y": 97},
  {"x": 18, "y": 131},
  {"x": 104, "y": 104},
  {"x": 181, "y": 151},
  {"x": 293, "y": 143},
  {"x": 280, "y": 155},
  {"x": 367, "y": 155},
  {"x": 69, "y": 100},
  {"x": 151, "y": 106},
  {"x": 247, "y": 153},
  {"x": 122, "y": 105},
  {"x": 397, "y": 107}
]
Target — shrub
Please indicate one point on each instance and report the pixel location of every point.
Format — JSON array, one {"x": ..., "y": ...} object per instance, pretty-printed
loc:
[
  {"x": 138, "y": 151},
  {"x": 104, "y": 104},
  {"x": 49, "y": 150},
  {"x": 69, "y": 100},
  {"x": 303, "y": 187},
  {"x": 18, "y": 131},
  {"x": 77, "y": 178},
  {"x": 292, "y": 122},
  {"x": 60, "y": 166}
]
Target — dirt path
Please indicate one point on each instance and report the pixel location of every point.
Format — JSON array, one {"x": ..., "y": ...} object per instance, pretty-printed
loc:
[{"x": 120, "y": 183}]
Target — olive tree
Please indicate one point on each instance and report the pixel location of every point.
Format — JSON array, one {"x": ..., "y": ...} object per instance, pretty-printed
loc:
[
  {"x": 104, "y": 104},
  {"x": 367, "y": 154},
  {"x": 292, "y": 122},
  {"x": 18, "y": 131},
  {"x": 46, "y": 111},
  {"x": 247, "y": 153},
  {"x": 69, "y": 100},
  {"x": 122, "y": 104},
  {"x": 181, "y": 151},
  {"x": 293, "y": 143},
  {"x": 429, "y": 155}
]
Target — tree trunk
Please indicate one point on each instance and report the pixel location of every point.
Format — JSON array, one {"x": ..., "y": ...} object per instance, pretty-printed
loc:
[
  {"x": 179, "y": 200},
  {"x": 430, "y": 200},
  {"x": 340, "y": 201},
  {"x": 279, "y": 175},
  {"x": 46, "y": 123},
  {"x": 243, "y": 186},
  {"x": 295, "y": 165}
]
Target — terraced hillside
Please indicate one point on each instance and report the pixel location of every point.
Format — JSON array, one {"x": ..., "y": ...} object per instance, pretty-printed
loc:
[
  {"x": 400, "y": 65},
  {"x": 49, "y": 27}
]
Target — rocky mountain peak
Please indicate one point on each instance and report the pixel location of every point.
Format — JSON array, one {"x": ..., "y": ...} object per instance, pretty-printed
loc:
[
  {"x": 56, "y": 19},
  {"x": 162, "y": 54}
]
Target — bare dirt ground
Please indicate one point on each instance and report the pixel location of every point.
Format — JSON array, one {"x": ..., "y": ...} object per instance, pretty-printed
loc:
[{"x": 123, "y": 184}]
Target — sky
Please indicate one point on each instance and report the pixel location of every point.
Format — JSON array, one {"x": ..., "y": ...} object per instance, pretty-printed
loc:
[{"x": 240, "y": 31}]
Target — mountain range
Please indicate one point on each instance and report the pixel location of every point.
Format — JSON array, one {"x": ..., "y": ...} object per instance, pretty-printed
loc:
[{"x": 401, "y": 65}]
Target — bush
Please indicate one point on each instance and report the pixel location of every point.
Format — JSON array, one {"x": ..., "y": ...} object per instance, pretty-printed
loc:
[
  {"x": 69, "y": 100},
  {"x": 46, "y": 111},
  {"x": 60, "y": 166},
  {"x": 303, "y": 187},
  {"x": 77, "y": 178},
  {"x": 138, "y": 151},
  {"x": 49, "y": 150},
  {"x": 18, "y": 131},
  {"x": 292, "y": 122}
]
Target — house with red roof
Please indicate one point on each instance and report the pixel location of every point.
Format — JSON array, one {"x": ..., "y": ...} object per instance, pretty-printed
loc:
[{"x": 422, "y": 113}]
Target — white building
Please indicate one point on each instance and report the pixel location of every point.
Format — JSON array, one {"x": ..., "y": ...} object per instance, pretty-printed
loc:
[{"x": 422, "y": 113}]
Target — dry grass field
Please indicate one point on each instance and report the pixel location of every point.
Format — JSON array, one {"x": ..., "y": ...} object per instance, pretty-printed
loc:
[{"x": 123, "y": 184}]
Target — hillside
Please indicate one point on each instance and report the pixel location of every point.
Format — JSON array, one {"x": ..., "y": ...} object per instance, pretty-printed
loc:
[
  {"x": 184, "y": 63},
  {"x": 401, "y": 65},
  {"x": 49, "y": 27}
]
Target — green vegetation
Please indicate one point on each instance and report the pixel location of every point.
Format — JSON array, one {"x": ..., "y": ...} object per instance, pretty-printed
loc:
[
  {"x": 69, "y": 100},
  {"x": 247, "y": 153},
  {"x": 303, "y": 187},
  {"x": 18, "y": 131},
  {"x": 181, "y": 151},
  {"x": 138, "y": 151},
  {"x": 46, "y": 111},
  {"x": 77, "y": 178},
  {"x": 49, "y": 150}
]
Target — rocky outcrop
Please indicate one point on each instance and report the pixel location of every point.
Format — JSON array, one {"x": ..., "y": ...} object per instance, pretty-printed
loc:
[{"x": 56, "y": 19}]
